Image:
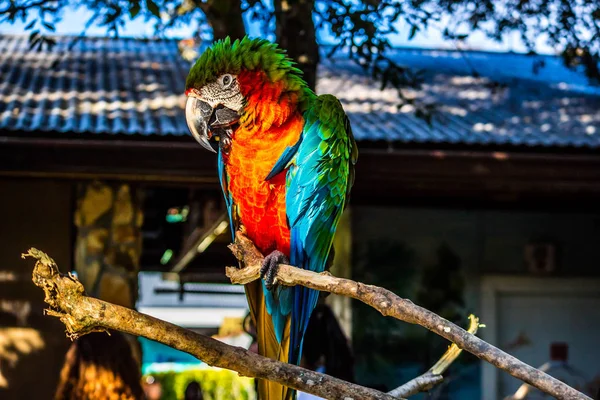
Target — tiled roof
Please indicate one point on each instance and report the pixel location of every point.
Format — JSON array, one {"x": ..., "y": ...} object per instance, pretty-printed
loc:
[
  {"x": 134, "y": 87},
  {"x": 554, "y": 108},
  {"x": 103, "y": 86}
]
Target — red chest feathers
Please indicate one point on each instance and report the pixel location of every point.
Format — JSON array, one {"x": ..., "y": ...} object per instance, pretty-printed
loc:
[
  {"x": 260, "y": 205},
  {"x": 270, "y": 124}
]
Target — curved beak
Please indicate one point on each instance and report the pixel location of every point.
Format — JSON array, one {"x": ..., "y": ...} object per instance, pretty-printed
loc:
[
  {"x": 197, "y": 116},
  {"x": 206, "y": 123}
]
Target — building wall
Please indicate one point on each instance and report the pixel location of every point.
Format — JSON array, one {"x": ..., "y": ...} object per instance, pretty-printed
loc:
[
  {"x": 487, "y": 242},
  {"x": 35, "y": 213},
  {"x": 411, "y": 250}
]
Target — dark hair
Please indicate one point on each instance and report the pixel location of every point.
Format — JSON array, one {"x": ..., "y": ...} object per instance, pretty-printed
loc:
[
  {"x": 100, "y": 367},
  {"x": 193, "y": 391},
  {"x": 324, "y": 340}
]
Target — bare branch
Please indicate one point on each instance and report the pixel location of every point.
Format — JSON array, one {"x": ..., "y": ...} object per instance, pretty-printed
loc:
[
  {"x": 524, "y": 389},
  {"x": 429, "y": 379},
  {"x": 422, "y": 383},
  {"x": 389, "y": 304},
  {"x": 82, "y": 314}
]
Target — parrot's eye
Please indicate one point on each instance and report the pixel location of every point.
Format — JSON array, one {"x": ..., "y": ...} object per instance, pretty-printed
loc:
[{"x": 226, "y": 80}]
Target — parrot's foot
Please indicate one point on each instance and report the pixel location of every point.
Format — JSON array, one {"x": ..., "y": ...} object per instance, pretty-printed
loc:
[{"x": 269, "y": 268}]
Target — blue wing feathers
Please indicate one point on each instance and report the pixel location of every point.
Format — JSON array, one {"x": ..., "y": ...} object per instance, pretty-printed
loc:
[
  {"x": 284, "y": 159},
  {"x": 279, "y": 306},
  {"x": 314, "y": 203},
  {"x": 316, "y": 186},
  {"x": 319, "y": 175},
  {"x": 226, "y": 195}
]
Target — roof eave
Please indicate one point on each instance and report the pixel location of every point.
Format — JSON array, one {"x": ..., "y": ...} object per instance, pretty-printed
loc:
[{"x": 437, "y": 176}]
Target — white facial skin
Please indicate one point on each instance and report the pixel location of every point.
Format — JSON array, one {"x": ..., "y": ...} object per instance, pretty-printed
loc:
[
  {"x": 211, "y": 111},
  {"x": 225, "y": 91}
]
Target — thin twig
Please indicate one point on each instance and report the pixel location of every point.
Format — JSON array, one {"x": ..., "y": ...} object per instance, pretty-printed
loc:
[
  {"x": 82, "y": 314},
  {"x": 422, "y": 383},
  {"x": 429, "y": 379},
  {"x": 524, "y": 389},
  {"x": 389, "y": 304}
]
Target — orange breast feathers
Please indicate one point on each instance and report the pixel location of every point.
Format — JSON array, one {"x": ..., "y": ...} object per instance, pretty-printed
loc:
[{"x": 269, "y": 125}]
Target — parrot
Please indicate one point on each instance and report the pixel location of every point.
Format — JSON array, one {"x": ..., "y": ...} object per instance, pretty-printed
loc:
[{"x": 285, "y": 160}]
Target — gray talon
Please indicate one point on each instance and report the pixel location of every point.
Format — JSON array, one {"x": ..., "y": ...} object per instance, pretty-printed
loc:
[{"x": 269, "y": 268}]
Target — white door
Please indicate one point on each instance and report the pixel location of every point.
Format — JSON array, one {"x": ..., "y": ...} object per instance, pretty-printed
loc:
[
  {"x": 539, "y": 320},
  {"x": 524, "y": 316}
]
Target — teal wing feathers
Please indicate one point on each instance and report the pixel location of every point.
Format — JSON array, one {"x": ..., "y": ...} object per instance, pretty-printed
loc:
[
  {"x": 229, "y": 203},
  {"x": 320, "y": 174},
  {"x": 319, "y": 179}
]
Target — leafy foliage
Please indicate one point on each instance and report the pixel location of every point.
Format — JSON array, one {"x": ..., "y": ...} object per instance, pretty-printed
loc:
[
  {"x": 572, "y": 27},
  {"x": 441, "y": 290},
  {"x": 442, "y": 285},
  {"x": 383, "y": 344},
  {"x": 361, "y": 28},
  {"x": 388, "y": 350},
  {"x": 216, "y": 384}
]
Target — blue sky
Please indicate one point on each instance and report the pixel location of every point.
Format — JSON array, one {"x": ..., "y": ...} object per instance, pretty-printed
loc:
[{"x": 74, "y": 20}]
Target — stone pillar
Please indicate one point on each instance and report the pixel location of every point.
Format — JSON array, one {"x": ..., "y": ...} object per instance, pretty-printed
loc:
[
  {"x": 108, "y": 246},
  {"x": 342, "y": 267}
]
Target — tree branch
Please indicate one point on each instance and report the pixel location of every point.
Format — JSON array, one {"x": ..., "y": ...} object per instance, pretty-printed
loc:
[
  {"x": 15, "y": 8},
  {"x": 389, "y": 304},
  {"x": 82, "y": 314},
  {"x": 422, "y": 383},
  {"x": 429, "y": 379}
]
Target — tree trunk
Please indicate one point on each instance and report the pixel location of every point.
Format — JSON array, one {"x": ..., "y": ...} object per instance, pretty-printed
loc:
[
  {"x": 225, "y": 18},
  {"x": 296, "y": 33}
]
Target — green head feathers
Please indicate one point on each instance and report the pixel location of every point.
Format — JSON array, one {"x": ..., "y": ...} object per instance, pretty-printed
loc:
[{"x": 225, "y": 57}]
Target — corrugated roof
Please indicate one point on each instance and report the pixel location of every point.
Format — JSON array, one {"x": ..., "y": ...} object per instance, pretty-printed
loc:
[{"x": 134, "y": 87}]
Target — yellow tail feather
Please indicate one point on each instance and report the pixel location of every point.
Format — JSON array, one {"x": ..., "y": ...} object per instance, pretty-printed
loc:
[{"x": 268, "y": 345}]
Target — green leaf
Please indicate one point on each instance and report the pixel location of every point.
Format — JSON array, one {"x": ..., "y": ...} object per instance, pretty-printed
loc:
[
  {"x": 49, "y": 26},
  {"x": 153, "y": 8},
  {"x": 34, "y": 35},
  {"x": 30, "y": 25},
  {"x": 50, "y": 42},
  {"x": 134, "y": 9},
  {"x": 413, "y": 32},
  {"x": 37, "y": 41},
  {"x": 111, "y": 18}
]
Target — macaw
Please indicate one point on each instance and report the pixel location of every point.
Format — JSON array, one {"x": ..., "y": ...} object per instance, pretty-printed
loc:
[{"x": 286, "y": 165}]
